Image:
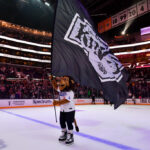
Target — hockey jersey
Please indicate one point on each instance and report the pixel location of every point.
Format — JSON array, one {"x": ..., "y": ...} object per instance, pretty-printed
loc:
[{"x": 70, "y": 106}]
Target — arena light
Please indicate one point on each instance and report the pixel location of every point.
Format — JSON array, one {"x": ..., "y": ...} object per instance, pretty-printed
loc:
[
  {"x": 25, "y": 50},
  {"x": 123, "y": 32},
  {"x": 47, "y": 4},
  {"x": 129, "y": 45},
  {"x": 24, "y": 29},
  {"x": 143, "y": 66},
  {"x": 24, "y": 42},
  {"x": 145, "y": 30},
  {"x": 130, "y": 66},
  {"x": 133, "y": 52},
  {"x": 126, "y": 27},
  {"x": 148, "y": 55},
  {"x": 25, "y": 58}
]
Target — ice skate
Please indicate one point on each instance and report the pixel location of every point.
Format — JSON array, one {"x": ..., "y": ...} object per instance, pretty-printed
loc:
[
  {"x": 63, "y": 137},
  {"x": 70, "y": 139}
]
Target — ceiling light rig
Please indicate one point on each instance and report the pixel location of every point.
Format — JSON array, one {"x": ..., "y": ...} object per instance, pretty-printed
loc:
[
  {"x": 95, "y": 15},
  {"x": 46, "y": 2}
]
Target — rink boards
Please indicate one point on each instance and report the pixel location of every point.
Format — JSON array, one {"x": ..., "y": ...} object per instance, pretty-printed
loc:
[{"x": 13, "y": 103}]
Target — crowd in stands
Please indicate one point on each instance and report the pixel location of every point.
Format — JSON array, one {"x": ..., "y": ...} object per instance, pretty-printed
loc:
[
  {"x": 33, "y": 83},
  {"x": 15, "y": 33},
  {"x": 123, "y": 39},
  {"x": 139, "y": 86},
  {"x": 18, "y": 82},
  {"x": 11, "y": 48}
]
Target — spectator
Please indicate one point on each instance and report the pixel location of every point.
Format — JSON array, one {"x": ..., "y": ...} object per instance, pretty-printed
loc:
[{"x": 93, "y": 99}]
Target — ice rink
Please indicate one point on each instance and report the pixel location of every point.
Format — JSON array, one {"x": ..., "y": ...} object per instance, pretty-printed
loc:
[{"x": 101, "y": 128}]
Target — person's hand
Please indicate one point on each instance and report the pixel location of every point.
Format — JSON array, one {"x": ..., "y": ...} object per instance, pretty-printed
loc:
[
  {"x": 50, "y": 77},
  {"x": 55, "y": 102}
]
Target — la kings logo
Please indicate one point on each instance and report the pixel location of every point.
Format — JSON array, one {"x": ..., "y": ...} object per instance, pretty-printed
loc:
[{"x": 106, "y": 65}]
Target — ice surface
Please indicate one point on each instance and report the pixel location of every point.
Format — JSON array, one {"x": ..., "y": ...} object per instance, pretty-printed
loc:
[{"x": 101, "y": 128}]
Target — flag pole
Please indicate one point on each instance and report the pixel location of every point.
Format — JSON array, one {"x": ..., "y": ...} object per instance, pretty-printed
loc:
[
  {"x": 52, "y": 53},
  {"x": 54, "y": 106},
  {"x": 55, "y": 113},
  {"x": 53, "y": 95},
  {"x": 53, "y": 28}
]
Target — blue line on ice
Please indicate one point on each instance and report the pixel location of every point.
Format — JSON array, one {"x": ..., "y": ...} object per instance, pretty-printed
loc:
[{"x": 110, "y": 143}]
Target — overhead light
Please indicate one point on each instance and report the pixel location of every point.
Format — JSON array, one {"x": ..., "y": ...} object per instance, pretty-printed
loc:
[
  {"x": 130, "y": 45},
  {"x": 102, "y": 14},
  {"x": 46, "y": 3},
  {"x": 128, "y": 24},
  {"x": 123, "y": 32},
  {"x": 148, "y": 54},
  {"x": 145, "y": 30}
]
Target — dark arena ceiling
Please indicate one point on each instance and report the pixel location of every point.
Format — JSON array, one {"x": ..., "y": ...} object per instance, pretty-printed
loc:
[
  {"x": 102, "y": 9},
  {"x": 35, "y": 14}
]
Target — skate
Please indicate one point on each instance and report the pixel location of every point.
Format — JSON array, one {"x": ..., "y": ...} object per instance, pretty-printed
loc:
[
  {"x": 63, "y": 137},
  {"x": 70, "y": 139}
]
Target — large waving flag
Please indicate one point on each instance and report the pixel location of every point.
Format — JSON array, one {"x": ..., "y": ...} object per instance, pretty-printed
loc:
[{"x": 79, "y": 52}]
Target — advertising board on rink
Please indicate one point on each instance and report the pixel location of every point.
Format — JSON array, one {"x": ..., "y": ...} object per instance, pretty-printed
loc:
[
  {"x": 42, "y": 101},
  {"x": 14, "y": 103},
  {"x": 21, "y": 103},
  {"x": 24, "y": 102},
  {"x": 145, "y": 101},
  {"x": 88, "y": 101}
]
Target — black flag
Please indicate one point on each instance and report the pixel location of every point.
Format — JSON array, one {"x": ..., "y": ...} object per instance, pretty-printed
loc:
[{"x": 79, "y": 52}]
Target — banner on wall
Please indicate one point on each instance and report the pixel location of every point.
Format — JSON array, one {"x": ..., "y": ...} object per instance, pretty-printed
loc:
[
  {"x": 115, "y": 20},
  {"x": 142, "y": 7},
  {"x": 123, "y": 16},
  {"x": 107, "y": 24},
  {"x": 101, "y": 27},
  {"x": 104, "y": 25},
  {"x": 148, "y": 4},
  {"x": 131, "y": 12}
]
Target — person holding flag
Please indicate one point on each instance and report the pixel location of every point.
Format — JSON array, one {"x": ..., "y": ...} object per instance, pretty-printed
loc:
[{"x": 64, "y": 85}]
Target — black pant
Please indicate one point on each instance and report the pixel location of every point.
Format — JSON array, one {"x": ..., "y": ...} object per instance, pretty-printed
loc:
[{"x": 67, "y": 117}]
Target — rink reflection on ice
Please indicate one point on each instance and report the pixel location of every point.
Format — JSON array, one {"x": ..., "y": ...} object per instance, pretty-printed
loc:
[{"x": 101, "y": 128}]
